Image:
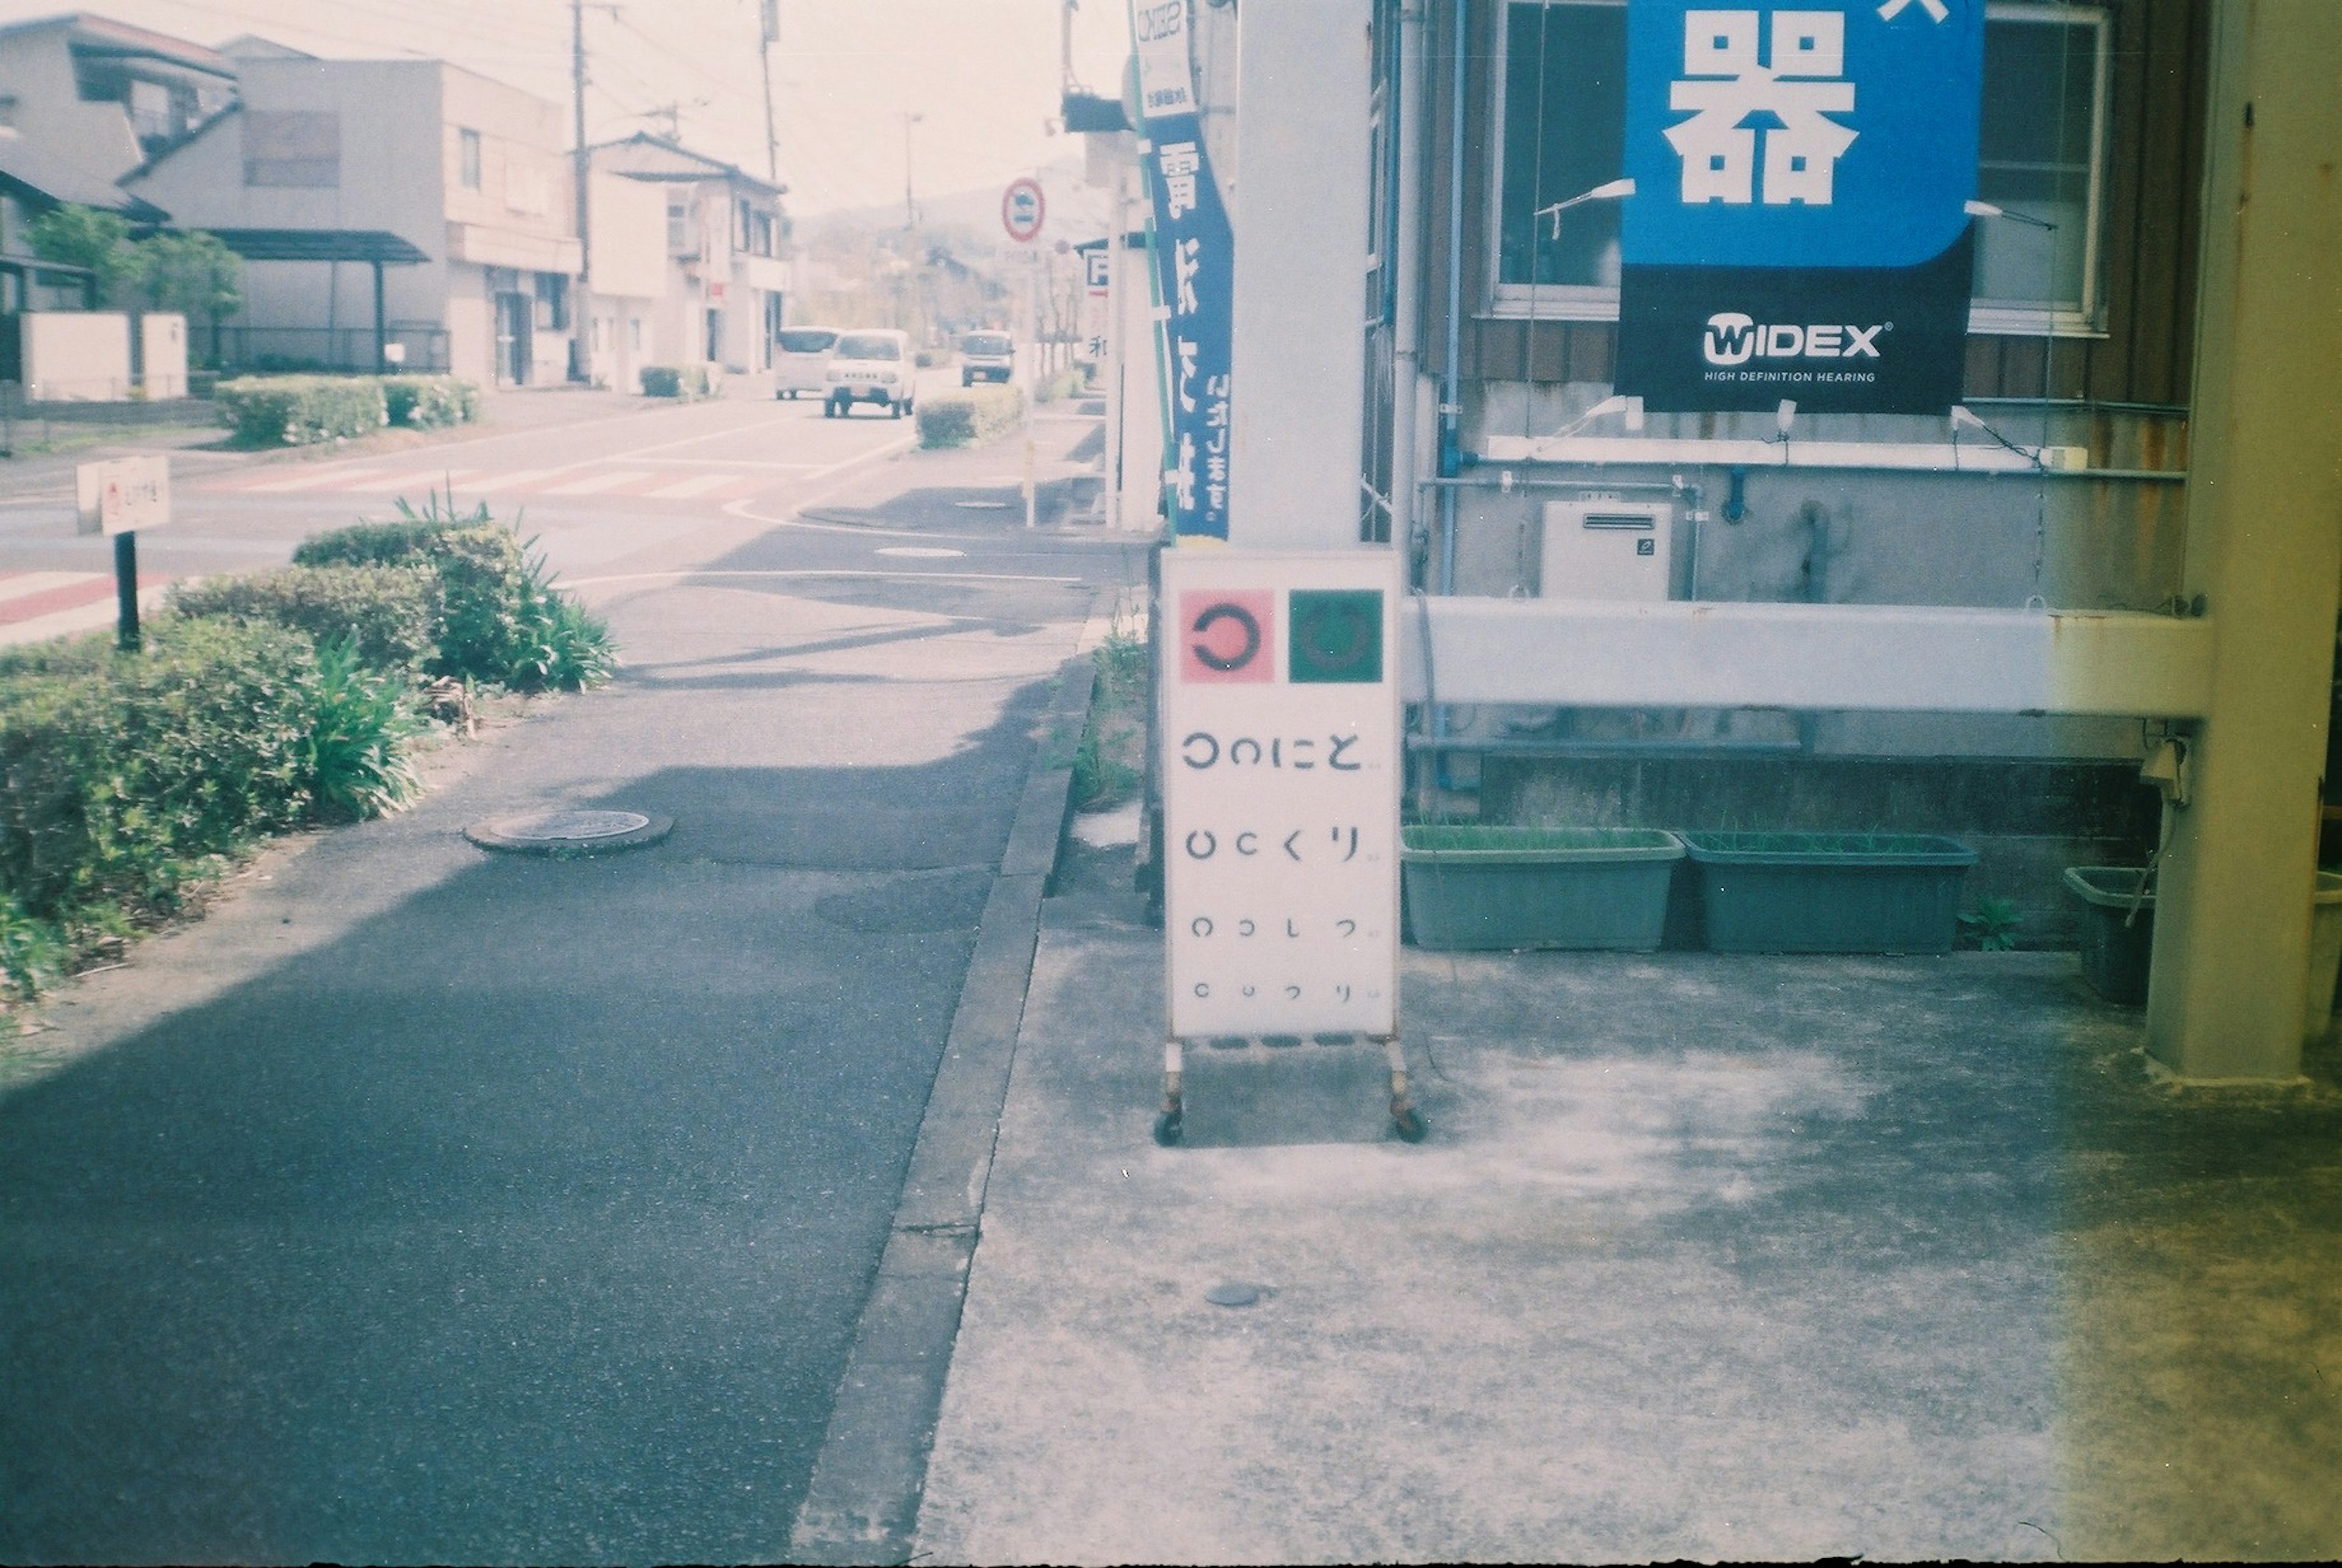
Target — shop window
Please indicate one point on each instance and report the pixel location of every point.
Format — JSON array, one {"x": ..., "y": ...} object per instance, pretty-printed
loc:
[{"x": 2042, "y": 155}]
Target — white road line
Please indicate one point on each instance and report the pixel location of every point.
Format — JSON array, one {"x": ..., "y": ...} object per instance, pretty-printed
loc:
[
  {"x": 593, "y": 485},
  {"x": 32, "y": 583},
  {"x": 697, "y": 485},
  {"x": 499, "y": 484},
  {"x": 314, "y": 481},
  {"x": 846, "y": 572}
]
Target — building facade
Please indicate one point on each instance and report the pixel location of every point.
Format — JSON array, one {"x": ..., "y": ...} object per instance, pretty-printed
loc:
[
  {"x": 319, "y": 162},
  {"x": 727, "y": 279}
]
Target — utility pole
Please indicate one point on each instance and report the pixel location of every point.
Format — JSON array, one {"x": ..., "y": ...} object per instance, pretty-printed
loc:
[
  {"x": 766, "y": 35},
  {"x": 910, "y": 212},
  {"x": 580, "y": 307}
]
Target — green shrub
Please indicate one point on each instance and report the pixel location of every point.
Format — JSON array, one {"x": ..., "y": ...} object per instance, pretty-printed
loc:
[
  {"x": 300, "y": 410},
  {"x": 501, "y": 619},
  {"x": 970, "y": 418},
  {"x": 688, "y": 381},
  {"x": 357, "y": 763},
  {"x": 430, "y": 402},
  {"x": 117, "y": 778},
  {"x": 1071, "y": 381},
  {"x": 391, "y": 614}
]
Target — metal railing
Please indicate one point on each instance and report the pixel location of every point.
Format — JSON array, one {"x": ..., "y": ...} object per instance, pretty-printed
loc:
[
  {"x": 27, "y": 417},
  {"x": 243, "y": 350}
]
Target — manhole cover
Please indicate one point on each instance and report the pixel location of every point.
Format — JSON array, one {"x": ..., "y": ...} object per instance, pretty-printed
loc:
[
  {"x": 562, "y": 833},
  {"x": 1233, "y": 1293}
]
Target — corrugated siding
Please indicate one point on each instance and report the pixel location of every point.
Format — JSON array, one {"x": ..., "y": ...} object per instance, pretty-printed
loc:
[{"x": 2149, "y": 232}]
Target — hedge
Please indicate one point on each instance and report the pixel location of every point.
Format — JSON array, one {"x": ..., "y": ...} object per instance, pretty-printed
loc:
[
  {"x": 970, "y": 418},
  {"x": 430, "y": 402},
  {"x": 119, "y": 772},
  {"x": 688, "y": 381},
  {"x": 393, "y": 614},
  {"x": 300, "y": 410},
  {"x": 500, "y": 618}
]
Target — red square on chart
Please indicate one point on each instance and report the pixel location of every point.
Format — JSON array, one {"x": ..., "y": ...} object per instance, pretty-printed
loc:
[{"x": 1226, "y": 635}]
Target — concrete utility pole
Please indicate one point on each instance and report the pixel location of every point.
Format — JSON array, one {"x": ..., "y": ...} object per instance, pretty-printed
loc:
[
  {"x": 2263, "y": 548},
  {"x": 580, "y": 313},
  {"x": 769, "y": 33},
  {"x": 910, "y": 212},
  {"x": 1304, "y": 91}
]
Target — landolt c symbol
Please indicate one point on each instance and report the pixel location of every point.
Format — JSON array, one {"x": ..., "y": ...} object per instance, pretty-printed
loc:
[{"x": 1213, "y": 617}]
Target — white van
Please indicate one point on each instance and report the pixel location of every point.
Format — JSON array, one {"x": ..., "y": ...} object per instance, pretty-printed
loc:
[
  {"x": 801, "y": 360},
  {"x": 986, "y": 356},
  {"x": 872, "y": 367}
]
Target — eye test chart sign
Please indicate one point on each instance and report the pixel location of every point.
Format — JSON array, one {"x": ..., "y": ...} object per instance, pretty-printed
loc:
[{"x": 1281, "y": 781}]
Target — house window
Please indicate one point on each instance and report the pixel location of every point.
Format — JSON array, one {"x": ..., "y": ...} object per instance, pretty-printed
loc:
[
  {"x": 551, "y": 302},
  {"x": 2042, "y": 154},
  {"x": 467, "y": 152},
  {"x": 295, "y": 149},
  {"x": 678, "y": 230},
  {"x": 634, "y": 333}
]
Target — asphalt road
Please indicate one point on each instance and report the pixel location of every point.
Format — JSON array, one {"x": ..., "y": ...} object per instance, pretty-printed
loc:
[{"x": 425, "y": 1205}]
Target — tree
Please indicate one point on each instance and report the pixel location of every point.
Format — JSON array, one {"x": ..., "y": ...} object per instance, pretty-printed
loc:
[
  {"x": 192, "y": 273},
  {"x": 86, "y": 237}
]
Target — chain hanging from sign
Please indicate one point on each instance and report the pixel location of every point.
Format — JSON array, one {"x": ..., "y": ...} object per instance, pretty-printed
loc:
[
  {"x": 1194, "y": 265},
  {"x": 1798, "y": 229}
]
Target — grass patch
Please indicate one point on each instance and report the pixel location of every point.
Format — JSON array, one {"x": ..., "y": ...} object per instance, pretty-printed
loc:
[{"x": 1111, "y": 761}]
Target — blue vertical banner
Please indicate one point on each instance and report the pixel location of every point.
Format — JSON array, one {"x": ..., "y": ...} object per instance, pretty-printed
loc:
[
  {"x": 1798, "y": 229},
  {"x": 1194, "y": 263}
]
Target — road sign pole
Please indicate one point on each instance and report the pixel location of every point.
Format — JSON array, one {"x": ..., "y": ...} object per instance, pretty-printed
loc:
[{"x": 125, "y": 590}]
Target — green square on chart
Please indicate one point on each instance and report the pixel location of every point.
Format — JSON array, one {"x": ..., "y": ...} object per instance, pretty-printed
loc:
[{"x": 1335, "y": 635}]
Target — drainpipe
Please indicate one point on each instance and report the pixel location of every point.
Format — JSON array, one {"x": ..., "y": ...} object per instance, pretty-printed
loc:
[
  {"x": 1450, "y": 393},
  {"x": 1406, "y": 265}
]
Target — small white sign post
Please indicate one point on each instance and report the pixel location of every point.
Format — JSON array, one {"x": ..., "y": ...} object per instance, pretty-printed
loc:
[
  {"x": 118, "y": 499},
  {"x": 1281, "y": 781}
]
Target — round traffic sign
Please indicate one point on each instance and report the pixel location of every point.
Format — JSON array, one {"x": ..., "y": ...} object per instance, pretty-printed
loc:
[{"x": 1021, "y": 207}]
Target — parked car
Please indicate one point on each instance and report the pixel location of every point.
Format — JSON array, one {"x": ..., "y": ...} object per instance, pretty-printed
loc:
[
  {"x": 986, "y": 356},
  {"x": 801, "y": 360},
  {"x": 872, "y": 367}
]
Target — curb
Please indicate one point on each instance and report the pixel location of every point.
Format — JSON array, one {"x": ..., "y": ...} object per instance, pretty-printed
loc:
[{"x": 862, "y": 1504}]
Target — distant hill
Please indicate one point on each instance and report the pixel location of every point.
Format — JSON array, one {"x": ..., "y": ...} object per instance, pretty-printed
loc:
[{"x": 1076, "y": 211}]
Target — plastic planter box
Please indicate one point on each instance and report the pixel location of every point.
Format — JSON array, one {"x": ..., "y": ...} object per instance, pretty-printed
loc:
[
  {"x": 1494, "y": 888},
  {"x": 2114, "y": 948},
  {"x": 1828, "y": 892}
]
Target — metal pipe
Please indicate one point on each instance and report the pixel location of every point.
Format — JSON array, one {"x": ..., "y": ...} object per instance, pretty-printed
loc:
[
  {"x": 1405, "y": 265},
  {"x": 1450, "y": 410}
]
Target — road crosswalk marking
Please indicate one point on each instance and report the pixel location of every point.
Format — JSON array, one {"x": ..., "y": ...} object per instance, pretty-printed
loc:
[
  {"x": 698, "y": 485},
  {"x": 330, "y": 479},
  {"x": 595, "y": 484}
]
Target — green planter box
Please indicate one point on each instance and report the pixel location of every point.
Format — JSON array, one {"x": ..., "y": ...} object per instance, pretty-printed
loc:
[
  {"x": 1828, "y": 892},
  {"x": 1501, "y": 888},
  {"x": 2115, "y": 947}
]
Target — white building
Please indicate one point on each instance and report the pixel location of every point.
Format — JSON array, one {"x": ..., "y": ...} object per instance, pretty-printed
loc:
[
  {"x": 726, "y": 284},
  {"x": 355, "y": 237}
]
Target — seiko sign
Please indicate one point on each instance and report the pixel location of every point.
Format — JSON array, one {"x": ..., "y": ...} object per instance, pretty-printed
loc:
[{"x": 1736, "y": 339}]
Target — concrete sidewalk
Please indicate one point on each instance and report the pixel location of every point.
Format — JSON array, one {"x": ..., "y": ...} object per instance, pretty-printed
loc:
[{"x": 1706, "y": 1256}]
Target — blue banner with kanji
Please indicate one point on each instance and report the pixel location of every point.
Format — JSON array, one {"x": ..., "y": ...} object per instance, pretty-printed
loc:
[
  {"x": 1194, "y": 263},
  {"x": 1798, "y": 228}
]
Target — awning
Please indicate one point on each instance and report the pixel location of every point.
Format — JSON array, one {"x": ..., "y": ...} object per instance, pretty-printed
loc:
[{"x": 379, "y": 247}]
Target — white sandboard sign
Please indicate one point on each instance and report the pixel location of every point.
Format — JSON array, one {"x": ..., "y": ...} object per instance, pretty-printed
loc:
[{"x": 1281, "y": 781}]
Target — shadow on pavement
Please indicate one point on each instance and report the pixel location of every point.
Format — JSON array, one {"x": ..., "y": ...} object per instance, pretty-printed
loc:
[{"x": 528, "y": 1220}]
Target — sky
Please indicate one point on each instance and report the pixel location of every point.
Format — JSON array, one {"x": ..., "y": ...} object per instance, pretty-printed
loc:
[{"x": 984, "y": 74}]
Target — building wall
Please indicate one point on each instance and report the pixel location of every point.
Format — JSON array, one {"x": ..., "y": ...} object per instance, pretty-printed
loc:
[
  {"x": 373, "y": 115},
  {"x": 36, "y": 69}
]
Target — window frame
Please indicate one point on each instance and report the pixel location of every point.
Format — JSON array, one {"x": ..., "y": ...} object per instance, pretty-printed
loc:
[
  {"x": 470, "y": 157},
  {"x": 2001, "y": 318}
]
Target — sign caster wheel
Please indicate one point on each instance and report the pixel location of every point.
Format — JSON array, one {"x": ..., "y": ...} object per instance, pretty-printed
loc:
[
  {"x": 1409, "y": 1125},
  {"x": 1168, "y": 1126}
]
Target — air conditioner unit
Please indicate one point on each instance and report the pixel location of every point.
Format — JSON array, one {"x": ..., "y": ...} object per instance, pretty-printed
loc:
[{"x": 1599, "y": 547}]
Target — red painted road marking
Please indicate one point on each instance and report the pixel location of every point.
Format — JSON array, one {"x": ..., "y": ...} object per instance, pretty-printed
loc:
[{"x": 92, "y": 588}]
